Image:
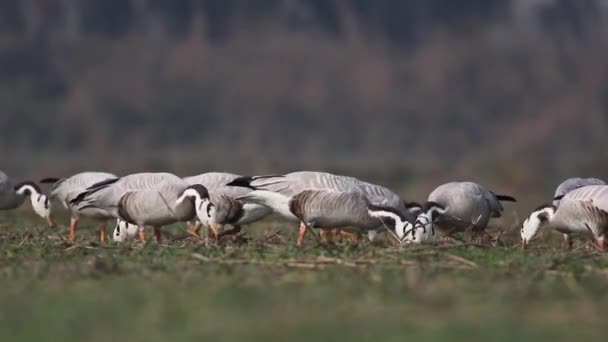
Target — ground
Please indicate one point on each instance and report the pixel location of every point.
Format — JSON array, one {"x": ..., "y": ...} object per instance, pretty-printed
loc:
[{"x": 266, "y": 289}]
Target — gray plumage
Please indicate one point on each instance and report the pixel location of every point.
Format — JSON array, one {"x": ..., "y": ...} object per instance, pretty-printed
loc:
[
  {"x": 65, "y": 190},
  {"x": 141, "y": 199},
  {"x": 293, "y": 183},
  {"x": 328, "y": 208},
  {"x": 465, "y": 205},
  {"x": 572, "y": 184},
  {"x": 583, "y": 209},
  {"x": 296, "y": 182}
]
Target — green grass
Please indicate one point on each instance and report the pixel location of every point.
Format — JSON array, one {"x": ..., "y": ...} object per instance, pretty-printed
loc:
[{"x": 266, "y": 289}]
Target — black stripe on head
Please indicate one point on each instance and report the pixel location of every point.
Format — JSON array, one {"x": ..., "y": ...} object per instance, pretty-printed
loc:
[
  {"x": 373, "y": 207},
  {"x": 559, "y": 198},
  {"x": 430, "y": 204},
  {"x": 28, "y": 183},
  {"x": 50, "y": 180},
  {"x": 200, "y": 189},
  {"x": 544, "y": 206},
  {"x": 505, "y": 198},
  {"x": 410, "y": 205}
]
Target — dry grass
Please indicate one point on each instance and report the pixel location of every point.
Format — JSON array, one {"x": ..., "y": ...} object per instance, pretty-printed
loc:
[{"x": 261, "y": 287}]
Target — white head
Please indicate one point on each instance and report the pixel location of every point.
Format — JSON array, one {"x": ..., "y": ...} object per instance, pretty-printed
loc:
[
  {"x": 539, "y": 217},
  {"x": 124, "y": 231},
  {"x": 40, "y": 202},
  {"x": 423, "y": 228},
  {"x": 393, "y": 218},
  {"x": 205, "y": 210}
]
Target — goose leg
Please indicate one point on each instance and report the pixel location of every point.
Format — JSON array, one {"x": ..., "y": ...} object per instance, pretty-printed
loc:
[
  {"x": 102, "y": 232},
  {"x": 568, "y": 241},
  {"x": 327, "y": 235},
  {"x": 301, "y": 234},
  {"x": 353, "y": 237},
  {"x": 142, "y": 234},
  {"x": 157, "y": 235},
  {"x": 195, "y": 228},
  {"x": 73, "y": 224},
  {"x": 601, "y": 243},
  {"x": 216, "y": 231}
]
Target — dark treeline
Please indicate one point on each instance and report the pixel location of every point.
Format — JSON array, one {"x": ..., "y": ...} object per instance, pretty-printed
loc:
[{"x": 410, "y": 93}]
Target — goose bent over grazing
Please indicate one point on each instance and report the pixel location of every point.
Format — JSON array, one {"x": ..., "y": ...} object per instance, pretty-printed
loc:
[
  {"x": 64, "y": 190},
  {"x": 567, "y": 186},
  {"x": 580, "y": 211},
  {"x": 293, "y": 183},
  {"x": 13, "y": 195},
  {"x": 154, "y": 199},
  {"x": 456, "y": 206},
  {"x": 225, "y": 209},
  {"x": 329, "y": 208}
]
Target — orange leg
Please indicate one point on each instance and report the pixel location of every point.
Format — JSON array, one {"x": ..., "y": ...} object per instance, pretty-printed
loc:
[
  {"x": 157, "y": 235},
  {"x": 142, "y": 234},
  {"x": 601, "y": 243},
  {"x": 195, "y": 228},
  {"x": 328, "y": 234},
  {"x": 102, "y": 232},
  {"x": 301, "y": 234},
  {"x": 73, "y": 224},
  {"x": 353, "y": 237}
]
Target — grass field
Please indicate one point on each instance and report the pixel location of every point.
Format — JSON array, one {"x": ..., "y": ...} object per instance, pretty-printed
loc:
[{"x": 267, "y": 289}]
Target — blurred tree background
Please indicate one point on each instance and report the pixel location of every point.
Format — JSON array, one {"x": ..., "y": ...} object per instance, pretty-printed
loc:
[{"x": 511, "y": 93}]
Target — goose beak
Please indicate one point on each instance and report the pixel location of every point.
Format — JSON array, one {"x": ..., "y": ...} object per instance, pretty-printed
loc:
[{"x": 50, "y": 221}]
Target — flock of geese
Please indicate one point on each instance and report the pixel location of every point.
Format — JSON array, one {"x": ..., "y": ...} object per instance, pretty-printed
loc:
[{"x": 334, "y": 204}]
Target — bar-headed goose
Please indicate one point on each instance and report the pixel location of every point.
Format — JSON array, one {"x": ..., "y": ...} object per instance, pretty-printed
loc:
[
  {"x": 293, "y": 183},
  {"x": 329, "y": 208},
  {"x": 580, "y": 211},
  {"x": 64, "y": 190},
  {"x": 154, "y": 199},
  {"x": 13, "y": 195},
  {"x": 456, "y": 206},
  {"x": 227, "y": 214}
]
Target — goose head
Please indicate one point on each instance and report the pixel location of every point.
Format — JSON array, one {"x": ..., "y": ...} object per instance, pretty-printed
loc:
[
  {"x": 199, "y": 195},
  {"x": 40, "y": 202},
  {"x": 538, "y": 218},
  {"x": 124, "y": 231},
  {"x": 392, "y": 218}
]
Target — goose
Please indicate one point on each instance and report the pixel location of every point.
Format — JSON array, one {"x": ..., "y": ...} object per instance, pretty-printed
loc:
[
  {"x": 64, "y": 190},
  {"x": 569, "y": 185},
  {"x": 455, "y": 207},
  {"x": 583, "y": 210},
  {"x": 154, "y": 199},
  {"x": 293, "y": 183},
  {"x": 349, "y": 210},
  {"x": 226, "y": 210},
  {"x": 13, "y": 195}
]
